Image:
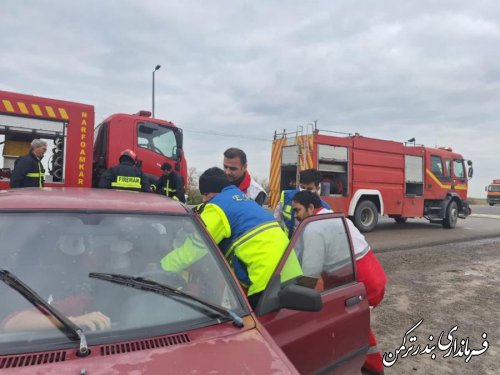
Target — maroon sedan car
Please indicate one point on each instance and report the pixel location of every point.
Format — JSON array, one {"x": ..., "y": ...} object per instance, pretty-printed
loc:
[{"x": 82, "y": 292}]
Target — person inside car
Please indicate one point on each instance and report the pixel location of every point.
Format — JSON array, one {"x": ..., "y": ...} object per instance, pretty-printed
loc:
[{"x": 72, "y": 299}]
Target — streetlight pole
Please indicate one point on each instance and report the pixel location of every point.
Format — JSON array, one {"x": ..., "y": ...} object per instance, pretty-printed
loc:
[{"x": 156, "y": 68}]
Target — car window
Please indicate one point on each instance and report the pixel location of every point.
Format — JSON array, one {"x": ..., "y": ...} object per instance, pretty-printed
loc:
[
  {"x": 458, "y": 168},
  {"x": 324, "y": 252},
  {"x": 157, "y": 138},
  {"x": 56, "y": 252},
  {"x": 437, "y": 166}
]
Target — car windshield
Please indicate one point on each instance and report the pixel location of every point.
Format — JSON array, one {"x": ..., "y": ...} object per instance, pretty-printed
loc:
[{"x": 53, "y": 253}]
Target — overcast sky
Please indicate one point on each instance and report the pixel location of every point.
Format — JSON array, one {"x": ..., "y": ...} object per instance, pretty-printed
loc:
[{"x": 233, "y": 72}]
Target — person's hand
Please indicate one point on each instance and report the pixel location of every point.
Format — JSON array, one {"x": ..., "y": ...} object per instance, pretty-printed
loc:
[{"x": 94, "y": 321}]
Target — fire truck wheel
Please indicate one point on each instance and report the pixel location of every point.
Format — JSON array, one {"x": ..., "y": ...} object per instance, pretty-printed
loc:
[
  {"x": 450, "y": 220},
  {"x": 400, "y": 220},
  {"x": 366, "y": 216}
]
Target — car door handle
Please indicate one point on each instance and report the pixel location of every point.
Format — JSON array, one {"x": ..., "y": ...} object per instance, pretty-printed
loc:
[{"x": 353, "y": 301}]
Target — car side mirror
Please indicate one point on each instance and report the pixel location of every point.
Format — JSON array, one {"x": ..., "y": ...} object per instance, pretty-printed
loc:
[
  {"x": 297, "y": 297},
  {"x": 290, "y": 296},
  {"x": 470, "y": 172}
]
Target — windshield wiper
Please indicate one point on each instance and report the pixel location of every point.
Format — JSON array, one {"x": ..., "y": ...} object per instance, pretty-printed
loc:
[
  {"x": 70, "y": 329},
  {"x": 165, "y": 290}
]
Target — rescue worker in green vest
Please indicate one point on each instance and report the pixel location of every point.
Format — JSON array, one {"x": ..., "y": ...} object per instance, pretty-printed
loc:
[
  {"x": 28, "y": 170},
  {"x": 171, "y": 184},
  {"x": 250, "y": 238},
  {"x": 309, "y": 179},
  {"x": 126, "y": 175}
]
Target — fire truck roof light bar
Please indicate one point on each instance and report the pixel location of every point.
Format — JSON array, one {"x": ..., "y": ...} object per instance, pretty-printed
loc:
[{"x": 143, "y": 113}]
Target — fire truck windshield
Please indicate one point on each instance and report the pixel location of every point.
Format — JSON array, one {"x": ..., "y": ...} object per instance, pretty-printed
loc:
[{"x": 163, "y": 140}]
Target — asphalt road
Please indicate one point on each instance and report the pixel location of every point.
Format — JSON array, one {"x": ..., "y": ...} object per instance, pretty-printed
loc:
[
  {"x": 486, "y": 210},
  {"x": 388, "y": 235}
]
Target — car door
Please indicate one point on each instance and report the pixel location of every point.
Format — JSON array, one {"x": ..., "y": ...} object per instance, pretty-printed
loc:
[{"x": 334, "y": 339}]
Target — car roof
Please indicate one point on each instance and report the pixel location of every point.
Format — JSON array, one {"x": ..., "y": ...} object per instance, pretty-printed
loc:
[{"x": 87, "y": 199}]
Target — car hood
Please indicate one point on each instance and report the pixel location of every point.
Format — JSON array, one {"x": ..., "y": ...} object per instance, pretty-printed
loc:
[{"x": 244, "y": 352}]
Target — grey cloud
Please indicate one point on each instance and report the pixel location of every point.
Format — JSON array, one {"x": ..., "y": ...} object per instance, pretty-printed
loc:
[{"x": 386, "y": 69}]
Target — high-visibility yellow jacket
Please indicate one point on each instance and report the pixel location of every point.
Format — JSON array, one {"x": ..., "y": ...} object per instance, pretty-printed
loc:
[{"x": 250, "y": 238}]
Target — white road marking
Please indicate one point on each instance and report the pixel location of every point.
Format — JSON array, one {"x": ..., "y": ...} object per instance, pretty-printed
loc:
[{"x": 486, "y": 216}]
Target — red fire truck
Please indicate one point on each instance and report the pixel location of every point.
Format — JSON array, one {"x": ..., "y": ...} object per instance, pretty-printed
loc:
[
  {"x": 77, "y": 152},
  {"x": 493, "y": 192},
  {"x": 363, "y": 177}
]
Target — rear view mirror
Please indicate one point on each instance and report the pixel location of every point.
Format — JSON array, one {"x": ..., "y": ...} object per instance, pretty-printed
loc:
[{"x": 470, "y": 172}]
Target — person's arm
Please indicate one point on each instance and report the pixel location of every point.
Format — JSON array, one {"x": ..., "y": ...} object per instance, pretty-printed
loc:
[
  {"x": 106, "y": 179},
  {"x": 260, "y": 198},
  {"x": 160, "y": 185},
  {"x": 216, "y": 222},
  {"x": 145, "y": 184},
  {"x": 34, "y": 320},
  {"x": 193, "y": 249},
  {"x": 313, "y": 256},
  {"x": 278, "y": 214},
  {"x": 18, "y": 174},
  {"x": 179, "y": 188}
]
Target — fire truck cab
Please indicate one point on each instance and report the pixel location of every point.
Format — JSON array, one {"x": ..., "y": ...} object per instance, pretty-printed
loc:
[
  {"x": 77, "y": 155},
  {"x": 493, "y": 192},
  {"x": 365, "y": 177}
]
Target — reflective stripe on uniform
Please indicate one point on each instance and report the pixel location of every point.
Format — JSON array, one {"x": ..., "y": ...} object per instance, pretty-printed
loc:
[
  {"x": 127, "y": 182},
  {"x": 287, "y": 209},
  {"x": 249, "y": 235},
  {"x": 38, "y": 175}
]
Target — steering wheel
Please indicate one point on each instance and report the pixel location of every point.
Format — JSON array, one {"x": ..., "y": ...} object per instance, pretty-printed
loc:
[
  {"x": 157, "y": 150},
  {"x": 152, "y": 148}
]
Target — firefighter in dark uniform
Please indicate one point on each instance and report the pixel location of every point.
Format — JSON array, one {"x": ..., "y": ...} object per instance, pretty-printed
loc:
[
  {"x": 126, "y": 175},
  {"x": 171, "y": 184},
  {"x": 28, "y": 170}
]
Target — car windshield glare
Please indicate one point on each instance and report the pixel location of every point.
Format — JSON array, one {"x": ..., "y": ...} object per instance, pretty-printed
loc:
[{"x": 54, "y": 253}]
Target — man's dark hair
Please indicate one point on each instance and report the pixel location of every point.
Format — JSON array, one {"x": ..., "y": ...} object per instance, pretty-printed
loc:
[
  {"x": 306, "y": 197},
  {"x": 166, "y": 167},
  {"x": 310, "y": 176},
  {"x": 234, "y": 152},
  {"x": 213, "y": 180}
]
